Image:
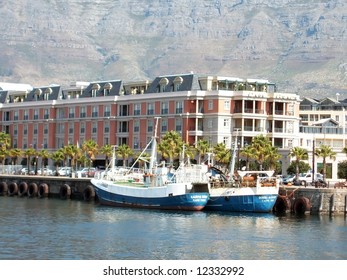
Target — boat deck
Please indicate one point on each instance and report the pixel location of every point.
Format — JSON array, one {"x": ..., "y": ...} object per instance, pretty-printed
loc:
[{"x": 130, "y": 184}]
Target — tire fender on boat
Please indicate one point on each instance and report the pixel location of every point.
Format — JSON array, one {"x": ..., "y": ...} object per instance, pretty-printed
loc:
[
  {"x": 301, "y": 205},
  {"x": 12, "y": 189},
  {"x": 65, "y": 191},
  {"x": 22, "y": 188},
  {"x": 43, "y": 190},
  {"x": 32, "y": 189},
  {"x": 89, "y": 193},
  {"x": 3, "y": 188}
]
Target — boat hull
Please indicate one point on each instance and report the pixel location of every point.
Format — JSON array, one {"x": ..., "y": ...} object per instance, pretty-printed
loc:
[
  {"x": 185, "y": 201},
  {"x": 249, "y": 203},
  {"x": 243, "y": 200}
]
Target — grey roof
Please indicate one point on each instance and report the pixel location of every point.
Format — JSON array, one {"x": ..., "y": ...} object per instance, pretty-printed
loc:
[
  {"x": 38, "y": 93},
  {"x": 189, "y": 82},
  {"x": 308, "y": 100},
  {"x": 3, "y": 95},
  {"x": 330, "y": 101},
  {"x": 325, "y": 122},
  {"x": 113, "y": 86}
]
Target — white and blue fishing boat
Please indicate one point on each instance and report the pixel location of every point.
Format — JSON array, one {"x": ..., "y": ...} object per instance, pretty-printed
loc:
[
  {"x": 252, "y": 192},
  {"x": 157, "y": 187},
  {"x": 244, "y": 191}
]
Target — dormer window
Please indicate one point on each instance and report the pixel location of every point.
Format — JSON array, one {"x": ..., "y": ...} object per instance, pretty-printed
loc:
[
  {"x": 163, "y": 83},
  {"x": 107, "y": 89},
  {"x": 177, "y": 83},
  {"x": 48, "y": 91},
  {"x": 95, "y": 89},
  {"x": 38, "y": 92}
]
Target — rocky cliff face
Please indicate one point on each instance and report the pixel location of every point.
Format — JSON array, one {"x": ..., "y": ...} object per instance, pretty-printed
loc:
[{"x": 298, "y": 44}]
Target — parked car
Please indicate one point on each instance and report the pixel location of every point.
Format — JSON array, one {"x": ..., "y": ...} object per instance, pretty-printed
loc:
[
  {"x": 86, "y": 172},
  {"x": 46, "y": 172},
  {"x": 306, "y": 178},
  {"x": 288, "y": 179},
  {"x": 64, "y": 171},
  {"x": 24, "y": 171}
]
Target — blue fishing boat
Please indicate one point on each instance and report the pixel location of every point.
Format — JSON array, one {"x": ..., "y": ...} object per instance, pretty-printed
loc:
[
  {"x": 156, "y": 187},
  {"x": 242, "y": 191},
  {"x": 252, "y": 191}
]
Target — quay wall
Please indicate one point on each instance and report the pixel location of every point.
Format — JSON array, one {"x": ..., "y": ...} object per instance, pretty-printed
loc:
[
  {"x": 332, "y": 201},
  {"x": 50, "y": 186},
  {"x": 297, "y": 199}
]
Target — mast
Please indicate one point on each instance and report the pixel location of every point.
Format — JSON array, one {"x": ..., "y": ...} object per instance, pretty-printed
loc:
[
  {"x": 113, "y": 161},
  {"x": 154, "y": 146},
  {"x": 183, "y": 155},
  {"x": 233, "y": 157}
]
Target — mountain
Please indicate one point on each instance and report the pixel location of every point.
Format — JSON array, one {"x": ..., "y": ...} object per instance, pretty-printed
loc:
[{"x": 300, "y": 45}]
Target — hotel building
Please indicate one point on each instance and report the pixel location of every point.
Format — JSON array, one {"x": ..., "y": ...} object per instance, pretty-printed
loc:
[{"x": 114, "y": 112}]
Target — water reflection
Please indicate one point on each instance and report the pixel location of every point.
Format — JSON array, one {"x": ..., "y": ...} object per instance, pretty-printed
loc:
[{"x": 65, "y": 229}]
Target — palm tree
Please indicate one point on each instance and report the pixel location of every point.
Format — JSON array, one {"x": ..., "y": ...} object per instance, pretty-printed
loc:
[
  {"x": 90, "y": 148},
  {"x": 3, "y": 154},
  {"x": 72, "y": 152},
  {"x": 28, "y": 153},
  {"x": 142, "y": 157},
  {"x": 124, "y": 151},
  {"x": 325, "y": 152},
  {"x": 222, "y": 154},
  {"x": 44, "y": 156},
  {"x": 189, "y": 151},
  {"x": 58, "y": 157},
  {"x": 272, "y": 157},
  {"x": 171, "y": 145},
  {"x": 202, "y": 147},
  {"x": 164, "y": 149},
  {"x": 14, "y": 154},
  {"x": 247, "y": 152},
  {"x": 299, "y": 154},
  {"x": 107, "y": 151},
  {"x": 5, "y": 143},
  {"x": 5, "y": 140},
  {"x": 260, "y": 146}
]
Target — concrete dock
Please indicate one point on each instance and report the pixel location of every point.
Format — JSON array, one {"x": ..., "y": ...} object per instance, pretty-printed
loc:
[{"x": 295, "y": 199}]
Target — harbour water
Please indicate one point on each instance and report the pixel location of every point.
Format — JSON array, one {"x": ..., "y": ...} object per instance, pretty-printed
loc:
[{"x": 53, "y": 229}]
